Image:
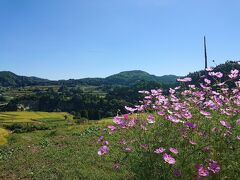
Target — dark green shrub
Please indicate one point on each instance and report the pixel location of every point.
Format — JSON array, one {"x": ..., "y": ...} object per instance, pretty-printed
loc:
[
  {"x": 81, "y": 120},
  {"x": 25, "y": 127}
]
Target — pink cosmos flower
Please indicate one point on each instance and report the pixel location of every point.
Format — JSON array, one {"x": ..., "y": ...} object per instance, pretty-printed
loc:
[
  {"x": 154, "y": 92},
  {"x": 238, "y": 121},
  {"x": 145, "y": 146},
  {"x": 103, "y": 150},
  {"x": 130, "y": 109},
  {"x": 159, "y": 150},
  {"x": 148, "y": 97},
  {"x": 210, "y": 104},
  {"x": 151, "y": 119},
  {"x": 221, "y": 84},
  {"x": 112, "y": 128},
  {"x": 106, "y": 143},
  {"x": 126, "y": 116},
  {"x": 211, "y": 73},
  {"x": 234, "y": 74},
  {"x": 173, "y": 150},
  {"x": 207, "y": 81},
  {"x": 190, "y": 125},
  {"x": 117, "y": 120},
  {"x": 226, "y": 124},
  {"x": 213, "y": 166},
  {"x": 101, "y": 138},
  {"x": 169, "y": 159},
  {"x": 171, "y": 91},
  {"x": 192, "y": 86},
  {"x": 161, "y": 113},
  {"x": 202, "y": 171},
  {"x": 219, "y": 74},
  {"x": 206, "y": 114},
  {"x": 216, "y": 74},
  {"x": 204, "y": 87},
  {"x": 140, "y": 108},
  {"x": 186, "y": 79},
  {"x": 187, "y": 115},
  {"x": 173, "y": 119},
  {"x": 177, "y": 173},
  {"x": 192, "y": 142},
  {"x": 132, "y": 123}
]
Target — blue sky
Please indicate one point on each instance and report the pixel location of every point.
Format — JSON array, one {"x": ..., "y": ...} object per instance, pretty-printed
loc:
[{"x": 62, "y": 39}]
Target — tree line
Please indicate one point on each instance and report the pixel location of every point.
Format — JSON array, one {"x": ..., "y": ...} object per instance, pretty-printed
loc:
[{"x": 81, "y": 104}]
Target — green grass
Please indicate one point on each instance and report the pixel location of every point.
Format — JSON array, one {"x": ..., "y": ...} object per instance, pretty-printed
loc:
[
  {"x": 104, "y": 121},
  {"x": 62, "y": 152}
]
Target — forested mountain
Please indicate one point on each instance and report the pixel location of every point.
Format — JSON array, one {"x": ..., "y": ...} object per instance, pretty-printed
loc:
[
  {"x": 9, "y": 79},
  {"x": 131, "y": 77},
  {"x": 126, "y": 78},
  {"x": 168, "y": 79}
]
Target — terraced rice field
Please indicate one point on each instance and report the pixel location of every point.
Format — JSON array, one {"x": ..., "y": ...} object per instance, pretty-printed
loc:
[{"x": 23, "y": 117}]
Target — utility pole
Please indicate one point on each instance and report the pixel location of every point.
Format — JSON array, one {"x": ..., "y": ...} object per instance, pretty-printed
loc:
[{"x": 205, "y": 53}]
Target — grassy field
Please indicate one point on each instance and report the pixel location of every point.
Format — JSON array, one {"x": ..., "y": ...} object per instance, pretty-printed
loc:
[
  {"x": 8, "y": 119},
  {"x": 23, "y": 117},
  {"x": 65, "y": 151},
  {"x": 29, "y": 120}
]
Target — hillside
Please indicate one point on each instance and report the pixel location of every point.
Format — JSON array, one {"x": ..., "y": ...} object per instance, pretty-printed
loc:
[
  {"x": 131, "y": 77},
  {"x": 168, "y": 79},
  {"x": 9, "y": 79},
  {"x": 125, "y": 78}
]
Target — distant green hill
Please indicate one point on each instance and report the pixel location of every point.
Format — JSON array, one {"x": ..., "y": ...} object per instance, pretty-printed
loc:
[
  {"x": 125, "y": 78},
  {"x": 131, "y": 77},
  {"x": 168, "y": 79},
  {"x": 8, "y": 78}
]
